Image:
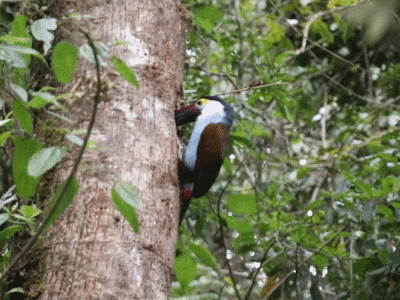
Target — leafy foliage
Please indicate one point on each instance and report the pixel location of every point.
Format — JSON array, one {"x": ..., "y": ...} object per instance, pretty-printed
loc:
[
  {"x": 309, "y": 193},
  {"x": 65, "y": 58},
  {"x": 126, "y": 199},
  {"x": 23, "y": 159}
]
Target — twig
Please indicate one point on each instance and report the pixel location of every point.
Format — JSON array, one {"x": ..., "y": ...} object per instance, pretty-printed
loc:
[
  {"x": 334, "y": 54},
  {"x": 250, "y": 176},
  {"x": 297, "y": 270},
  {"x": 351, "y": 265},
  {"x": 368, "y": 100},
  {"x": 323, "y": 121},
  {"x": 369, "y": 77},
  {"x": 278, "y": 284},
  {"x": 258, "y": 270},
  {"x": 252, "y": 88},
  {"x": 306, "y": 30},
  {"x": 246, "y": 89},
  {"x": 221, "y": 229}
]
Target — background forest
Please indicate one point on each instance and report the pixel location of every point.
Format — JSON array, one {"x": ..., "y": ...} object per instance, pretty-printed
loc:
[
  {"x": 307, "y": 202},
  {"x": 309, "y": 193}
]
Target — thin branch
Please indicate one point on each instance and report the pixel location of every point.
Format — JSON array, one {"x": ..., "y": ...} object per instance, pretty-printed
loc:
[
  {"x": 334, "y": 54},
  {"x": 220, "y": 292},
  {"x": 250, "y": 176},
  {"x": 226, "y": 76},
  {"x": 368, "y": 100},
  {"x": 240, "y": 54},
  {"x": 351, "y": 264},
  {"x": 297, "y": 271},
  {"x": 252, "y": 88},
  {"x": 369, "y": 76},
  {"x": 258, "y": 271},
  {"x": 279, "y": 283},
  {"x": 323, "y": 121},
  {"x": 246, "y": 89},
  {"x": 221, "y": 229},
  {"x": 306, "y": 30},
  {"x": 33, "y": 240}
]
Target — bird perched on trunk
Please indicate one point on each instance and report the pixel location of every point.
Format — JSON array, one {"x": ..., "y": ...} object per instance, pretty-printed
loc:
[{"x": 206, "y": 149}]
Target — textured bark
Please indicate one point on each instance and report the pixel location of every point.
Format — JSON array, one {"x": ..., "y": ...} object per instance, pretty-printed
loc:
[{"x": 92, "y": 252}]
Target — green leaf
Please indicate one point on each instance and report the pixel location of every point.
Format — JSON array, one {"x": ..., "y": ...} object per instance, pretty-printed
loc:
[
  {"x": 205, "y": 24},
  {"x": 240, "y": 226},
  {"x": 65, "y": 202},
  {"x": 3, "y": 137},
  {"x": 242, "y": 204},
  {"x": 125, "y": 71},
  {"x": 41, "y": 30},
  {"x": 257, "y": 130},
  {"x": 21, "y": 49},
  {"x": 13, "y": 58},
  {"x": 322, "y": 28},
  {"x": 387, "y": 212},
  {"x": 20, "y": 37},
  {"x": 348, "y": 176},
  {"x": 87, "y": 52},
  {"x": 272, "y": 190},
  {"x": 19, "y": 27},
  {"x": 185, "y": 269},
  {"x": 207, "y": 16},
  {"x": 126, "y": 209},
  {"x": 20, "y": 91},
  {"x": 241, "y": 140},
  {"x": 7, "y": 233},
  {"x": 4, "y": 218},
  {"x": 276, "y": 33},
  {"x": 37, "y": 102},
  {"x": 344, "y": 3},
  {"x": 30, "y": 212},
  {"x": 321, "y": 261},
  {"x": 254, "y": 97},
  {"x": 40, "y": 99},
  {"x": 74, "y": 139},
  {"x": 396, "y": 205},
  {"x": 128, "y": 193},
  {"x": 303, "y": 172},
  {"x": 7, "y": 122},
  {"x": 14, "y": 290},
  {"x": 387, "y": 184},
  {"x": 281, "y": 58},
  {"x": 205, "y": 256},
  {"x": 314, "y": 204},
  {"x": 64, "y": 60},
  {"x": 24, "y": 150},
  {"x": 366, "y": 264},
  {"x": 366, "y": 188},
  {"x": 44, "y": 160},
  {"x": 228, "y": 280},
  {"x": 23, "y": 116},
  {"x": 61, "y": 117},
  {"x": 14, "y": 39}
]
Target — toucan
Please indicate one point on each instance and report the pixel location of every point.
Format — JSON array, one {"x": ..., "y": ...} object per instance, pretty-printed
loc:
[{"x": 207, "y": 147}]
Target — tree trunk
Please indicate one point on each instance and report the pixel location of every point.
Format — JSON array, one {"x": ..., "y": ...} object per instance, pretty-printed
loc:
[{"x": 91, "y": 252}]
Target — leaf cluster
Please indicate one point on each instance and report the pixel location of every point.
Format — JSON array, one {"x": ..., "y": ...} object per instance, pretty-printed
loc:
[{"x": 26, "y": 159}]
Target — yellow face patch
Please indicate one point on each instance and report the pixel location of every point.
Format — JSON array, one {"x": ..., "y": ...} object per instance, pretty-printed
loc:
[{"x": 204, "y": 101}]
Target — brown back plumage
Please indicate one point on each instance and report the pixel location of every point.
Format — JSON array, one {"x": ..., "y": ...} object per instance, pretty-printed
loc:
[{"x": 210, "y": 156}]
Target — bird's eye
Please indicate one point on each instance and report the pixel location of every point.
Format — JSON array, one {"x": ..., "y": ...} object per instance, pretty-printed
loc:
[{"x": 199, "y": 102}]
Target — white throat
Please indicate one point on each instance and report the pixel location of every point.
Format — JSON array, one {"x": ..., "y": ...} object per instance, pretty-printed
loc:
[{"x": 212, "y": 113}]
